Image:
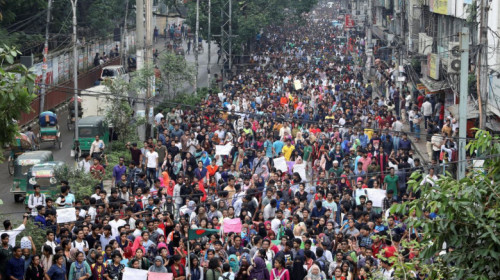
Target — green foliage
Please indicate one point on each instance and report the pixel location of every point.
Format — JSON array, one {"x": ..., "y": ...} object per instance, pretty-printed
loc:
[
  {"x": 468, "y": 218},
  {"x": 248, "y": 18},
  {"x": 185, "y": 98},
  {"x": 175, "y": 72},
  {"x": 16, "y": 93},
  {"x": 119, "y": 112},
  {"x": 105, "y": 15},
  {"x": 81, "y": 184}
]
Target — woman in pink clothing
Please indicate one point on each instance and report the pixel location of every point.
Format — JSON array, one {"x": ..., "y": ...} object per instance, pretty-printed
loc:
[{"x": 279, "y": 272}]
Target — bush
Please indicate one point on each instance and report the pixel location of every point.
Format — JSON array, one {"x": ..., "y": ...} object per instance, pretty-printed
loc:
[
  {"x": 187, "y": 99},
  {"x": 82, "y": 184}
]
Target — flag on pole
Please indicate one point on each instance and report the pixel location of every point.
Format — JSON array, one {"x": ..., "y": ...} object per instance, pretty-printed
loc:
[{"x": 200, "y": 232}]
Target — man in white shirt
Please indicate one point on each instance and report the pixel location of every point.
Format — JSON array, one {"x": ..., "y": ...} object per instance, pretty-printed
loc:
[
  {"x": 277, "y": 221},
  {"x": 97, "y": 147},
  {"x": 85, "y": 164},
  {"x": 151, "y": 164},
  {"x": 116, "y": 223},
  {"x": 36, "y": 199},
  {"x": 80, "y": 243},
  {"x": 427, "y": 111},
  {"x": 14, "y": 232},
  {"x": 270, "y": 210}
]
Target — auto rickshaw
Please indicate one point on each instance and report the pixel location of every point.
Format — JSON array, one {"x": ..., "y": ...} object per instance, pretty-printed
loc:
[
  {"x": 22, "y": 166},
  {"x": 44, "y": 174},
  {"x": 88, "y": 128},
  {"x": 49, "y": 129},
  {"x": 21, "y": 144},
  {"x": 71, "y": 114}
]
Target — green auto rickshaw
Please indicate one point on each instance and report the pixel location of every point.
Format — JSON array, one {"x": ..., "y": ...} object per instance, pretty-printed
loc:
[
  {"x": 22, "y": 166},
  {"x": 44, "y": 174},
  {"x": 88, "y": 128}
]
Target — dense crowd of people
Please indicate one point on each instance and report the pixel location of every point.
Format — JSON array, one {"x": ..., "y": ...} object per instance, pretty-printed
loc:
[{"x": 301, "y": 97}]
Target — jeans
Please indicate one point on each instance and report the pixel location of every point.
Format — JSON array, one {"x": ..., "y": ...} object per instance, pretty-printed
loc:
[
  {"x": 416, "y": 128},
  {"x": 151, "y": 175},
  {"x": 426, "y": 119}
]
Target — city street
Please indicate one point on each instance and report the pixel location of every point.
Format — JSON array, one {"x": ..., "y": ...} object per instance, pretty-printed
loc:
[{"x": 12, "y": 210}]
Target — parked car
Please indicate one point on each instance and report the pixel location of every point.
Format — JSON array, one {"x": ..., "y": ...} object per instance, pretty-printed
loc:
[{"x": 114, "y": 72}]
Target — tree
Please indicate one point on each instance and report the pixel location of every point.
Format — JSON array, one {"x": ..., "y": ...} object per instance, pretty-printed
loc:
[
  {"x": 120, "y": 113},
  {"x": 467, "y": 221},
  {"x": 175, "y": 72},
  {"x": 17, "y": 87}
]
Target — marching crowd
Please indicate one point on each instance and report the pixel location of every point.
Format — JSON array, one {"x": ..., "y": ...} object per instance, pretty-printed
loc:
[{"x": 302, "y": 97}]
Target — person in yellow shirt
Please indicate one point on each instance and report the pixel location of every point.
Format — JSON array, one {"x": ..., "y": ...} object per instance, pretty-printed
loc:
[{"x": 288, "y": 150}]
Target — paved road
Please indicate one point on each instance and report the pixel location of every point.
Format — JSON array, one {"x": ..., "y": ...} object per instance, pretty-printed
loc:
[
  {"x": 9, "y": 206},
  {"x": 12, "y": 210}
]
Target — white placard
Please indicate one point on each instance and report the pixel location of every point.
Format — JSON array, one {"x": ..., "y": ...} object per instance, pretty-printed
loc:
[
  {"x": 297, "y": 84},
  {"x": 301, "y": 169},
  {"x": 135, "y": 274},
  {"x": 223, "y": 150},
  {"x": 376, "y": 196},
  {"x": 280, "y": 164},
  {"x": 66, "y": 215}
]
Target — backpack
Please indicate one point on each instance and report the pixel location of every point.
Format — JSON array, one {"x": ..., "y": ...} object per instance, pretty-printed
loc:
[
  {"x": 324, "y": 264},
  {"x": 85, "y": 243},
  {"x": 225, "y": 277}
]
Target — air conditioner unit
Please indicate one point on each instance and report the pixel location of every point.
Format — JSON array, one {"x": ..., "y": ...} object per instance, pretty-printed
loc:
[
  {"x": 454, "y": 55},
  {"x": 424, "y": 44}
]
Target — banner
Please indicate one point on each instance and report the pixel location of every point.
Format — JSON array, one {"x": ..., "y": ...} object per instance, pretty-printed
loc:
[
  {"x": 223, "y": 150},
  {"x": 135, "y": 274},
  {"x": 232, "y": 225},
  {"x": 159, "y": 276},
  {"x": 280, "y": 164},
  {"x": 376, "y": 196},
  {"x": 66, "y": 215}
]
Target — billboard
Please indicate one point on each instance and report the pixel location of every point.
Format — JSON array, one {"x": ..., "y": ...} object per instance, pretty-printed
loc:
[
  {"x": 433, "y": 64},
  {"x": 439, "y": 6},
  {"x": 349, "y": 21}
]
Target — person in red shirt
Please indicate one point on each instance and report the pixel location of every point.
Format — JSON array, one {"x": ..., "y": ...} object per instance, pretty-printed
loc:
[
  {"x": 97, "y": 170},
  {"x": 420, "y": 100}
]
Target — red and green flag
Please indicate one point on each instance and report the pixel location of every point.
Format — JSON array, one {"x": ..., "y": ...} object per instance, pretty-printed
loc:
[{"x": 200, "y": 232}]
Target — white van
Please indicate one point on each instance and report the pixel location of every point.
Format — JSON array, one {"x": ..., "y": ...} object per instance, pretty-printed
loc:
[{"x": 114, "y": 72}]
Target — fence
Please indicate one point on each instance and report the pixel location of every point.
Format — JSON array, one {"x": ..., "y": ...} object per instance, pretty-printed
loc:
[{"x": 57, "y": 95}]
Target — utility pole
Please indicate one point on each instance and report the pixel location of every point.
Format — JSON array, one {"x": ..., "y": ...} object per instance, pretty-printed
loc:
[
  {"x": 230, "y": 15},
  {"x": 482, "y": 69},
  {"x": 45, "y": 57},
  {"x": 226, "y": 37},
  {"x": 196, "y": 48},
  {"x": 140, "y": 107},
  {"x": 75, "y": 67},
  {"x": 209, "y": 41},
  {"x": 369, "y": 47},
  {"x": 464, "y": 92},
  {"x": 123, "y": 54},
  {"x": 149, "y": 60}
]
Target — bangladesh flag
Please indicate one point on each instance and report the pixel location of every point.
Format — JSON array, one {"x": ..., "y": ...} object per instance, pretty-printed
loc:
[{"x": 200, "y": 232}]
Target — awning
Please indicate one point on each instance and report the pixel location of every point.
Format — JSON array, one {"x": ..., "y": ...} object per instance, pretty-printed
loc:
[
  {"x": 493, "y": 108},
  {"x": 493, "y": 125},
  {"x": 472, "y": 112},
  {"x": 379, "y": 32},
  {"x": 434, "y": 86}
]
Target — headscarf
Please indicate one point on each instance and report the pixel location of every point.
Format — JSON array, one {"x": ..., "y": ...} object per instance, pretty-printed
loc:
[
  {"x": 72, "y": 254},
  {"x": 259, "y": 269},
  {"x": 137, "y": 245},
  {"x": 205, "y": 159},
  {"x": 90, "y": 260},
  {"x": 298, "y": 271},
  {"x": 244, "y": 257},
  {"x": 312, "y": 276},
  {"x": 156, "y": 268},
  {"x": 233, "y": 263}
]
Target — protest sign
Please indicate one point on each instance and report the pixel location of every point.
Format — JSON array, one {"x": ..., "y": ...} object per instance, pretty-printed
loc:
[
  {"x": 376, "y": 196},
  {"x": 159, "y": 276},
  {"x": 280, "y": 164},
  {"x": 66, "y": 215},
  {"x": 232, "y": 225},
  {"x": 301, "y": 169},
  {"x": 223, "y": 150},
  {"x": 135, "y": 274}
]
